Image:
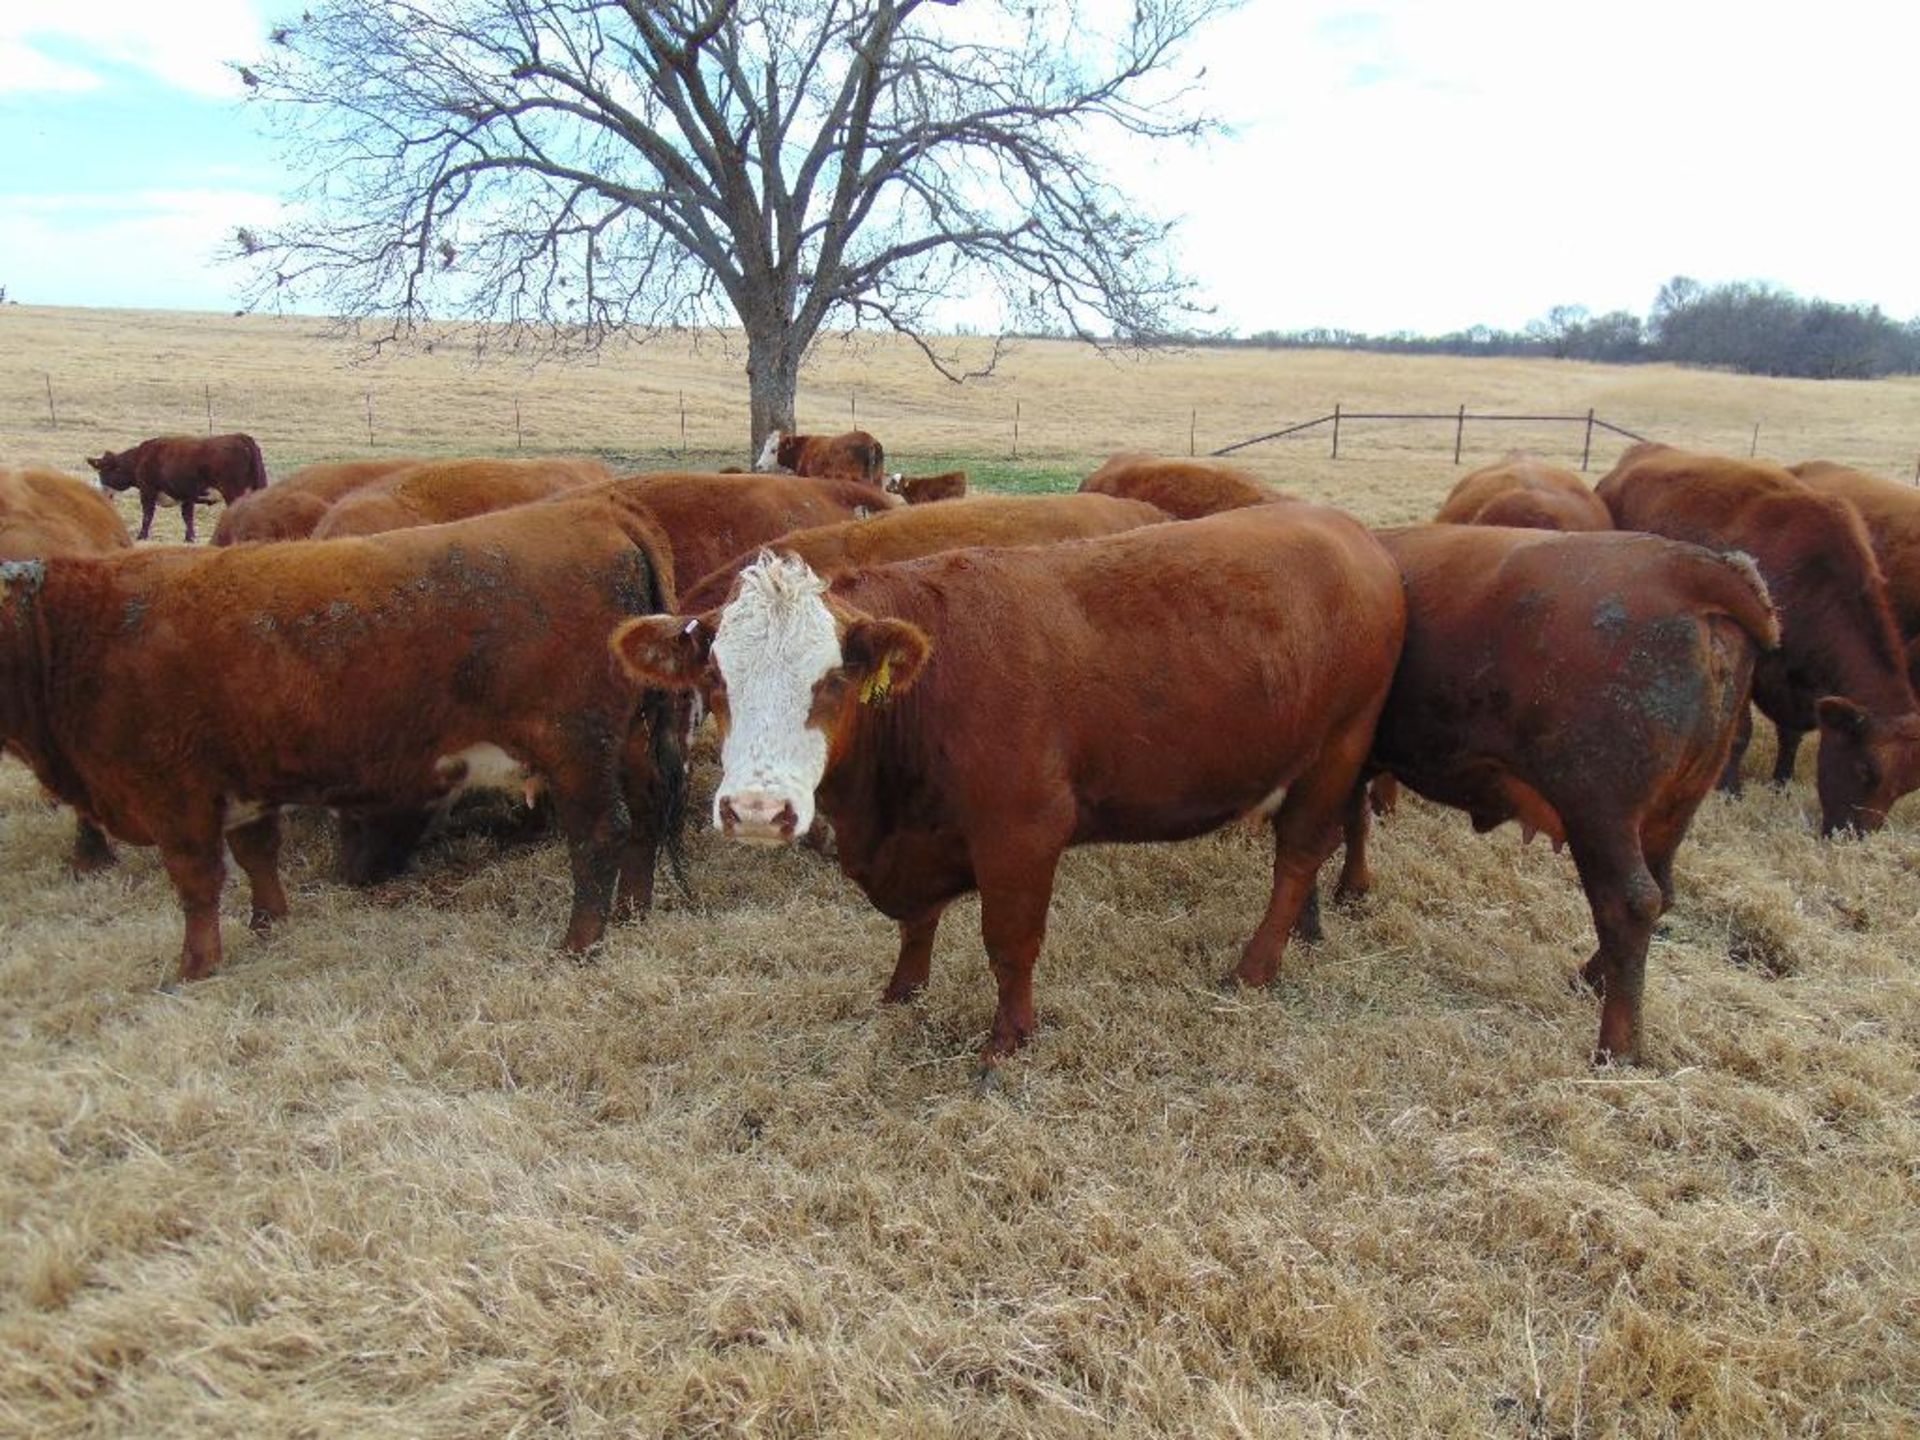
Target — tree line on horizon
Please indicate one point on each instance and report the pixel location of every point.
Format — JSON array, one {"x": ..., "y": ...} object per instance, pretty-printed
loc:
[{"x": 1748, "y": 326}]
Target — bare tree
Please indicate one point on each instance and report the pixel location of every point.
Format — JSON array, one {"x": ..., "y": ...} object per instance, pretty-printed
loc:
[{"x": 583, "y": 168}]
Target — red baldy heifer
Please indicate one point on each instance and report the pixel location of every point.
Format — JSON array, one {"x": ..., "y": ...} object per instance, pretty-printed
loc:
[
  {"x": 964, "y": 719},
  {"x": 1523, "y": 490},
  {"x": 927, "y": 489},
  {"x": 184, "y": 469},
  {"x": 1841, "y": 665},
  {"x": 1588, "y": 686},
  {"x": 391, "y": 670},
  {"x": 1185, "y": 489},
  {"x": 855, "y": 455}
]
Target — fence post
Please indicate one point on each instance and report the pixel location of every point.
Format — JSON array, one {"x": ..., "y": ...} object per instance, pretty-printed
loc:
[
  {"x": 1754, "y": 448},
  {"x": 369, "y": 417},
  {"x": 1336, "y": 429},
  {"x": 853, "y": 408},
  {"x": 1016, "y": 429},
  {"x": 683, "y": 424},
  {"x": 209, "y": 392},
  {"x": 519, "y": 436},
  {"x": 1193, "y": 424},
  {"x": 1586, "y": 450},
  {"x": 53, "y": 416},
  {"x": 1459, "y": 432}
]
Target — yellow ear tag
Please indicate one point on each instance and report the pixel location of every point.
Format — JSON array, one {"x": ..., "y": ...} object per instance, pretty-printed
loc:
[{"x": 875, "y": 689}]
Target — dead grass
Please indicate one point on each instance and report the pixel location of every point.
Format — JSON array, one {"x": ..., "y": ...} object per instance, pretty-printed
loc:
[{"x": 403, "y": 1171}]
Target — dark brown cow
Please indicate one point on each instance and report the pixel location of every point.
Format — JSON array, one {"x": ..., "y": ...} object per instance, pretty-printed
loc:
[
  {"x": 908, "y": 534},
  {"x": 1523, "y": 490},
  {"x": 1841, "y": 665},
  {"x": 927, "y": 489},
  {"x": 1588, "y": 686},
  {"x": 42, "y": 513},
  {"x": 184, "y": 469},
  {"x": 437, "y": 491},
  {"x": 396, "y": 669},
  {"x": 291, "y": 508},
  {"x": 965, "y": 718},
  {"x": 1185, "y": 489},
  {"x": 855, "y": 455}
]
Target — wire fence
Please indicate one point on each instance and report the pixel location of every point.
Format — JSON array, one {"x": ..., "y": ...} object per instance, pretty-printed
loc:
[{"x": 1459, "y": 417}]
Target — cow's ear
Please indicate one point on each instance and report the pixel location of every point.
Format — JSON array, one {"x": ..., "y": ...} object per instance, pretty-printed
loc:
[
  {"x": 666, "y": 650},
  {"x": 1836, "y": 712},
  {"x": 100, "y": 462},
  {"x": 883, "y": 656}
]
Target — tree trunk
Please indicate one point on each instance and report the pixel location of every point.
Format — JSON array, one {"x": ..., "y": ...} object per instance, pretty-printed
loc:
[{"x": 773, "y": 375}]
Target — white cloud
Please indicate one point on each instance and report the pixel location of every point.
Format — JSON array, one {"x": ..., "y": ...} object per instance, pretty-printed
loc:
[
  {"x": 157, "y": 248},
  {"x": 53, "y": 45}
]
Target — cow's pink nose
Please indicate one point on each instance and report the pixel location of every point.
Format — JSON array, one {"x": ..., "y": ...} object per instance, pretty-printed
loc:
[{"x": 755, "y": 815}]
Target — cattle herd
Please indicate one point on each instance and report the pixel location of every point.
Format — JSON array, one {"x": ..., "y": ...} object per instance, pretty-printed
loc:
[{"x": 958, "y": 692}]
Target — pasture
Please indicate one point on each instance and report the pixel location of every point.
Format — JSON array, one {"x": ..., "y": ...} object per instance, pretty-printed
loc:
[{"x": 402, "y": 1169}]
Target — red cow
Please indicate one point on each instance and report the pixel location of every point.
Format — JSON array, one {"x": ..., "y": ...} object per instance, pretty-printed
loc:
[
  {"x": 396, "y": 669},
  {"x": 908, "y": 534},
  {"x": 42, "y": 513},
  {"x": 965, "y": 718},
  {"x": 290, "y": 508},
  {"x": 1524, "y": 490},
  {"x": 1185, "y": 489},
  {"x": 926, "y": 489},
  {"x": 185, "y": 469},
  {"x": 1841, "y": 665},
  {"x": 436, "y": 491},
  {"x": 855, "y": 455},
  {"x": 1588, "y": 686}
]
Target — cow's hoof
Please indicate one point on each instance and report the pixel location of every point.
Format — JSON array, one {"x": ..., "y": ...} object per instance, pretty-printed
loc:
[{"x": 986, "y": 1078}]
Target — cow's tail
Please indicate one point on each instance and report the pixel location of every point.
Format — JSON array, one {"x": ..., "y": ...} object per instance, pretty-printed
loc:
[
  {"x": 1731, "y": 583},
  {"x": 257, "y": 476},
  {"x": 876, "y": 463},
  {"x": 663, "y": 714}
]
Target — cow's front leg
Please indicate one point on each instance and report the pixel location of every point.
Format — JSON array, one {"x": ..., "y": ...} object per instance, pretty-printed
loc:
[
  {"x": 1013, "y": 923},
  {"x": 257, "y": 847},
  {"x": 148, "y": 500},
  {"x": 197, "y": 871},
  {"x": 91, "y": 852},
  {"x": 915, "y": 962}
]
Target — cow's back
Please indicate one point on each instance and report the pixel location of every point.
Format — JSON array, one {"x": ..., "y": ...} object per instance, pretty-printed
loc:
[
  {"x": 1185, "y": 489},
  {"x": 1891, "y": 513},
  {"x": 438, "y": 492},
  {"x": 43, "y": 512},
  {"x": 1523, "y": 491},
  {"x": 907, "y": 534}
]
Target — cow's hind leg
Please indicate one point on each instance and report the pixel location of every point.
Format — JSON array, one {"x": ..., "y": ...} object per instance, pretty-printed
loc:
[
  {"x": 915, "y": 963},
  {"x": 1626, "y": 901},
  {"x": 594, "y": 817},
  {"x": 186, "y": 514},
  {"x": 1742, "y": 737},
  {"x": 148, "y": 500},
  {"x": 1787, "y": 753},
  {"x": 197, "y": 871},
  {"x": 256, "y": 846},
  {"x": 91, "y": 852},
  {"x": 1306, "y": 828},
  {"x": 1356, "y": 875}
]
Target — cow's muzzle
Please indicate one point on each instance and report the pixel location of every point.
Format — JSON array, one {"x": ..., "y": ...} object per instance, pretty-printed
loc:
[{"x": 757, "y": 817}]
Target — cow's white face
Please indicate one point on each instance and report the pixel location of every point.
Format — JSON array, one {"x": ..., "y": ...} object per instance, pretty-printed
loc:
[
  {"x": 769, "y": 460},
  {"x": 776, "y": 644},
  {"x": 786, "y": 675}
]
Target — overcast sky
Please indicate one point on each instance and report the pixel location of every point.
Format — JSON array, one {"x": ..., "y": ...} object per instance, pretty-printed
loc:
[{"x": 1392, "y": 165}]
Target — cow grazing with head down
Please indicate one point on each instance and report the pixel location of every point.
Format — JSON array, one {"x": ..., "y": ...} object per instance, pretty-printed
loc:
[
  {"x": 927, "y": 489},
  {"x": 42, "y": 513},
  {"x": 911, "y": 533},
  {"x": 1841, "y": 665},
  {"x": 1523, "y": 490},
  {"x": 1185, "y": 489},
  {"x": 437, "y": 491},
  {"x": 292, "y": 507},
  {"x": 1586, "y": 685},
  {"x": 187, "y": 470},
  {"x": 963, "y": 719},
  {"x": 856, "y": 455},
  {"x": 391, "y": 670}
]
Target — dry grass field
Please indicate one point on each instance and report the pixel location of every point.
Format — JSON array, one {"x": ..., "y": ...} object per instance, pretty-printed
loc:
[{"x": 402, "y": 1170}]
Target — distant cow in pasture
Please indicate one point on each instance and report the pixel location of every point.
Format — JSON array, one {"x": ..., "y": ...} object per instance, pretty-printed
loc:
[
  {"x": 910, "y": 533},
  {"x": 291, "y": 507},
  {"x": 43, "y": 513},
  {"x": 856, "y": 455},
  {"x": 1841, "y": 665},
  {"x": 437, "y": 491},
  {"x": 1523, "y": 490},
  {"x": 1185, "y": 489},
  {"x": 1588, "y": 686},
  {"x": 187, "y": 470},
  {"x": 927, "y": 489},
  {"x": 963, "y": 719},
  {"x": 398, "y": 669}
]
